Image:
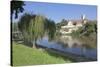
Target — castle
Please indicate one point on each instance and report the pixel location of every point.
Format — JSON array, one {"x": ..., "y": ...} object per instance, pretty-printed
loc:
[{"x": 73, "y": 25}]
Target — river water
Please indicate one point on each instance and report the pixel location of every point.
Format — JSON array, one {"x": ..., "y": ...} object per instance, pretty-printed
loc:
[{"x": 78, "y": 46}]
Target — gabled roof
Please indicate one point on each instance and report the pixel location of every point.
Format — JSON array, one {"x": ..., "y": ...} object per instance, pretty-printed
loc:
[{"x": 76, "y": 21}]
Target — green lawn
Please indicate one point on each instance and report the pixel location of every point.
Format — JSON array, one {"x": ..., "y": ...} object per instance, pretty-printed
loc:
[{"x": 23, "y": 55}]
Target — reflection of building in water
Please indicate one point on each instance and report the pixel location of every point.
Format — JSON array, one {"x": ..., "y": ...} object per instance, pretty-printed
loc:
[
  {"x": 69, "y": 41},
  {"x": 73, "y": 25}
]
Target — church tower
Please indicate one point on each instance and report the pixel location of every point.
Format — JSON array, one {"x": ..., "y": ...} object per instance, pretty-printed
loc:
[{"x": 83, "y": 18}]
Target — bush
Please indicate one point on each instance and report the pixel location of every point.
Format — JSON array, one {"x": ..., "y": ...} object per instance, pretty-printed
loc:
[{"x": 87, "y": 29}]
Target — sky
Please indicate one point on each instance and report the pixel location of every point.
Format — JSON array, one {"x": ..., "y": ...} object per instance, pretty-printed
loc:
[{"x": 58, "y": 11}]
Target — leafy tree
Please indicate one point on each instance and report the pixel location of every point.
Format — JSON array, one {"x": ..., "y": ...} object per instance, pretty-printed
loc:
[
  {"x": 25, "y": 26},
  {"x": 33, "y": 27},
  {"x": 16, "y": 7},
  {"x": 51, "y": 28},
  {"x": 14, "y": 27},
  {"x": 87, "y": 29},
  {"x": 62, "y": 23},
  {"x": 39, "y": 26}
]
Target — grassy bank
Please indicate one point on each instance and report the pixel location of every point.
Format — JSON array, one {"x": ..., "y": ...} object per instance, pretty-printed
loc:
[{"x": 23, "y": 55}]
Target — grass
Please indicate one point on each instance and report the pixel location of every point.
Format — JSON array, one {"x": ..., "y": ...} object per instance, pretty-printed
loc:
[{"x": 23, "y": 55}]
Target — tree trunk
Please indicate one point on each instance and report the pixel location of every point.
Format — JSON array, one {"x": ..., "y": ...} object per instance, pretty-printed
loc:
[{"x": 34, "y": 44}]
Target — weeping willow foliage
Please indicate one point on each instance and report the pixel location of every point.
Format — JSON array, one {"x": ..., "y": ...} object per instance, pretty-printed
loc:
[
  {"x": 51, "y": 28},
  {"x": 24, "y": 25},
  {"x": 39, "y": 26},
  {"x": 33, "y": 27}
]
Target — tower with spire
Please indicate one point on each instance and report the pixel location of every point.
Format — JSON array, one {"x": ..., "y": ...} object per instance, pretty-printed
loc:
[{"x": 83, "y": 18}]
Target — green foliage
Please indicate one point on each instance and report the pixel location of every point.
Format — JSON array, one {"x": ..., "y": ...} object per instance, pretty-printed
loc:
[
  {"x": 87, "y": 29},
  {"x": 62, "y": 23},
  {"x": 51, "y": 28},
  {"x": 90, "y": 28},
  {"x": 77, "y": 33},
  {"x": 24, "y": 22},
  {"x": 39, "y": 26},
  {"x": 25, "y": 26},
  {"x": 33, "y": 27},
  {"x": 17, "y": 7},
  {"x": 14, "y": 27}
]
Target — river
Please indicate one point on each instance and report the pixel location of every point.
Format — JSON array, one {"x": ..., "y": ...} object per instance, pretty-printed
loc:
[{"x": 65, "y": 43}]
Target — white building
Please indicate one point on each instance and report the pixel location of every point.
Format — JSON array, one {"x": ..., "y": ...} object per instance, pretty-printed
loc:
[{"x": 73, "y": 25}]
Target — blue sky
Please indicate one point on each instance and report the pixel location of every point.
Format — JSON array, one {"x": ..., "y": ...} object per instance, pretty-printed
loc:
[{"x": 57, "y": 12}]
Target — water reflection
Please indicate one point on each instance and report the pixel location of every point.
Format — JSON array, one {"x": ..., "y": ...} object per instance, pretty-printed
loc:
[
  {"x": 69, "y": 41},
  {"x": 78, "y": 46}
]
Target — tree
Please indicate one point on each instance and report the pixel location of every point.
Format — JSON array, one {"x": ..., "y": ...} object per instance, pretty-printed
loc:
[
  {"x": 25, "y": 25},
  {"x": 51, "y": 28},
  {"x": 87, "y": 29},
  {"x": 38, "y": 28},
  {"x": 33, "y": 27},
  {"x": 14, "y": 27},
  {"x": 16, "y": 7},
  {"x": 62, "y": 23}
]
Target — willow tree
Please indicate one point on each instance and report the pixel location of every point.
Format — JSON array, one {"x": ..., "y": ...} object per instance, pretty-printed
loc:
[
  {"x": 32, "y": 27},
  {"x": 50, "y": 26},
  {"x": 36, "y": 29},
  {"x": 25, "y": 25}
]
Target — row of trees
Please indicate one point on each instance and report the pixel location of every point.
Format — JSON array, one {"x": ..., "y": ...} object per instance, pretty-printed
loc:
[{"x": 34, "y": 27}]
